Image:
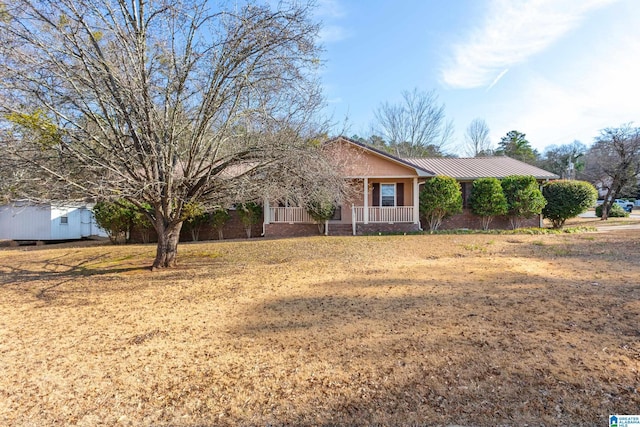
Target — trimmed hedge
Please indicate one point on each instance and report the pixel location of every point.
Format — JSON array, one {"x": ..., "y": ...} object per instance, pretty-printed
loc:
[
  {"x": 567, "y": 199},
  {"x": 616, "y": 211},
  {"x": 440, "y": 197}
]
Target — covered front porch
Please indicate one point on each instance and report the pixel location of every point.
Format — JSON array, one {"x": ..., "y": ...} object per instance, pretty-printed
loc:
[
  {"x": 387, "y": 200},
  {"x": 378, "y": 204},
  {"x": 384, "y": 196}
]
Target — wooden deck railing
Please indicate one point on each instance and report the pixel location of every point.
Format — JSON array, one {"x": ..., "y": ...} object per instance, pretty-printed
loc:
[
  {"x": 376, "y": 214},
  {"x": 384, "y": 214},
  {"x": 290, "y": 215}
]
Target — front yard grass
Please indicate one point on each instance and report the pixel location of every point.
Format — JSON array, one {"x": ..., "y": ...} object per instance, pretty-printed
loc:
[{"x": 395, "y": 330}]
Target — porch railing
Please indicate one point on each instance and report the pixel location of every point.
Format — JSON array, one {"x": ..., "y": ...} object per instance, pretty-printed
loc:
[
  {"x": 385, "y": 214},
  {"x": 290, "y": 215}
]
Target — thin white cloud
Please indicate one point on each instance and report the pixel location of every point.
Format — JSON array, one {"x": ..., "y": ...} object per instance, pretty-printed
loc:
[
  {"x": 604, "y": 94},
  {"x": 512, "y": 31},
  {"x": 331, "y": 9},
  {"x": 330, "y": 12},
  {"x": 332, "y": 34}
]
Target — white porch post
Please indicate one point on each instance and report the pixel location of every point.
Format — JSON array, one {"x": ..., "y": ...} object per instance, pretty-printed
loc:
[
  {"x": 366, "y": 201},
  {"x": 265, "y": 215},
  {"x": 416, "y": 201},
  {"x": 540, "y": 216},
  {"x": 353, "y": 219},
  {"x": 267, "y": 211}
]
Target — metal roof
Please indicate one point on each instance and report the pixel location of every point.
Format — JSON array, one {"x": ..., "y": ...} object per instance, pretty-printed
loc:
[{"x": 479, "y": 167}]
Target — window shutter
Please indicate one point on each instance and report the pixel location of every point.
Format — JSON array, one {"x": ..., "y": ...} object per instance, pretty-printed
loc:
[
  {"x": 400, "y": 194},
  {"x": 376, "y": 194}
]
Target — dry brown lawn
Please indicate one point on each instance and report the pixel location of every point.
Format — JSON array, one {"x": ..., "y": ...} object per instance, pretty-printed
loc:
[{"x": 395, "y": 330}]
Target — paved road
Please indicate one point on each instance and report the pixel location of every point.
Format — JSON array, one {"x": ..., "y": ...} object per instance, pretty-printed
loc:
[
  {"x": 592, "y": 214},
  {"x": 604, "y": 227}
]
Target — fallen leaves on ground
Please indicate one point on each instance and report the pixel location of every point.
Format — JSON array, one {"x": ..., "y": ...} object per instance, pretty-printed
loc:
[{"x": 393, "y": 330}]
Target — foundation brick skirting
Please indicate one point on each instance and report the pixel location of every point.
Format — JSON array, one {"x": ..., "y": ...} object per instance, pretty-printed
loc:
[
  {"x": 299, "y": 230},
  {"x": 364, "y": 229},
  {"x": 234, "y": 229},
  {"x": 468, "y": 220},
  {"x": 291, "y": 230},
  {"x": 464, "y": 220}
]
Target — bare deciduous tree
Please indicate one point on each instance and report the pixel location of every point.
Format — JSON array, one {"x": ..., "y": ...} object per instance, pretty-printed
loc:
[
  {"x": 417, "y": 126},
  {"x": 614, "y": 161},
  {"x": 564, "y": 160},
  {"x": 477, "y": 142},
  {"x": 164, "y": 102}
]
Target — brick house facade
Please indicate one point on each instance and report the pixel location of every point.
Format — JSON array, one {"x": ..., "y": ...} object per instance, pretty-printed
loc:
[
  {"x": 390, "y": 186},
  {"x": 386, "y": 200}
]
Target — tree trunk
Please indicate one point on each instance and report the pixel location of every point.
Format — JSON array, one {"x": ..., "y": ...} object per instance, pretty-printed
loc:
[
  {"x": 486, "y": 221},
  {"x": 515, "y": 222},
  {"x": 167, "y": 249},
  {"x": 606, "y": 205},
  {"x": 195, "y": 233}
]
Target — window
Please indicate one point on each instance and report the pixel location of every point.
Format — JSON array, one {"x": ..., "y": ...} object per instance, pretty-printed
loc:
[
  {"x": 288, "y": 203},
  {"x": 64, "y": 220},
  {"x": 337, "y": 213},
  {"x": 387, "y": 194}
]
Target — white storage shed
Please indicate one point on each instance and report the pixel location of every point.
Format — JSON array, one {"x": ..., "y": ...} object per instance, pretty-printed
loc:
[{"x": 25, "y": 221}]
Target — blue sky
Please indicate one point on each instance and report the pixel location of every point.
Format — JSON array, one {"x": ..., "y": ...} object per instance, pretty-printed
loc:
[{"x": 556, "y": 70}]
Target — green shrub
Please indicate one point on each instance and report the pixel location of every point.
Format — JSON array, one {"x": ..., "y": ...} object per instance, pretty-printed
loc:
[
  {"x": 567, "y": 199},
  {"x": 142, "y": 222},
  {"x": 113, "y": 219},
  {"x": 321, "y": 211},
  {"x": 487, "y": 200},
  {"x": 218, "y": 218},
  {"x": 118, "y": 218},
  {"x": 194, "y": 217},
  {"x": 439, "y": 198},
  {"x": 250, "y": 214},
  {"x": 616, "y": 211},
  {"x": 524, "y": 198}
]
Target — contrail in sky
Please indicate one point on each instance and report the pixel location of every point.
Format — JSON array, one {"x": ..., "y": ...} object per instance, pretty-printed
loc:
[{"x": 497, "y": 79}]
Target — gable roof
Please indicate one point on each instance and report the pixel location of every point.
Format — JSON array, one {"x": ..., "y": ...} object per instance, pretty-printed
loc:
[
  {"x": 480, "y": 167},
  {"x": 419, "y": 170}
]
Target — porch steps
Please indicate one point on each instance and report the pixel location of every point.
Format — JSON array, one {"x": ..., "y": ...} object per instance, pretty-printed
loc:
[{"x": 340, "y": 229}]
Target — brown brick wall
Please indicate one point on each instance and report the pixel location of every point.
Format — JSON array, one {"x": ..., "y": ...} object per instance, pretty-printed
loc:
[
  {"x": 233, "y": 229},
  {"x": 291, "y": 230},
  {"x": 299, "y": 230},
  {"x": 364, "y": 229},
  {"x": 468, "y": 220},
  {"x": 463, "y": 220}
]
